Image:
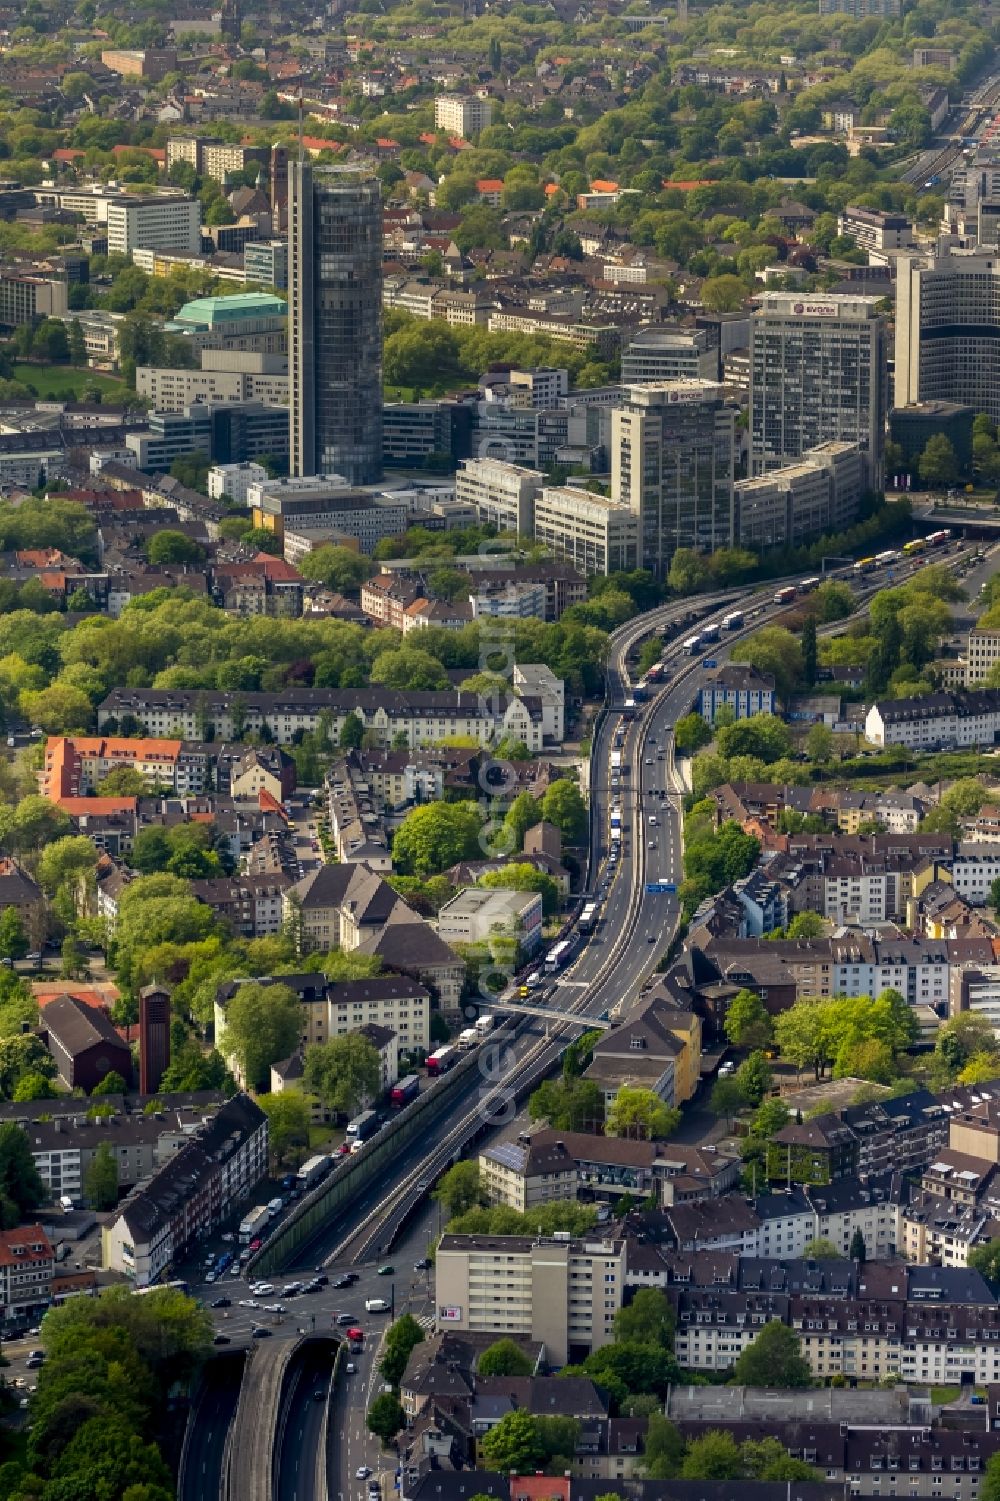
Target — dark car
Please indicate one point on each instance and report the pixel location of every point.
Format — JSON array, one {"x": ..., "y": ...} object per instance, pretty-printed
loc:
[
  {"x": 422, "y": 1264},
  {"x": 222, "y": 1303},
  {"x": 321, "y": 1280},
  {"x": 342, "y": 1282},
  {"x": 260, "y": 1333},
  {"x": 220, "y": 1339},
  {"x": 346, "y": 1318}
]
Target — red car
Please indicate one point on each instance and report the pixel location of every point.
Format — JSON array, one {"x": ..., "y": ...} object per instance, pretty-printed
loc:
[{"x": 255, "y": 1245}]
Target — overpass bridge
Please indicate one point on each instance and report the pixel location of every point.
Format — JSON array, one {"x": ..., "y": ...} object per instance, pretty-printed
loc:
[{"x": 553, "y": 1014}]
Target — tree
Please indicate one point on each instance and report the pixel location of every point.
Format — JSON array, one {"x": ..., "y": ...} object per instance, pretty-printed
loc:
[
  {"x": 649, "y": 1318},
  {"x": 344, "y": 1072},
  {"x": 460, "y": 1189},
  {"x": 986, "y": 1260},
  {"x": 386, "y": 1417},
  {"x": 819, "y": 743},
  {"x": 401, "y": 1339},
  {"x": 100, "y": 1180},
  {"x": 432, "y": 837},
  {"x": 809, "y": 650},
  {"x": 409, "y": 667},
  {"x": 821, "y": 1249},
  {"x": 112, "y": 1083},
  {"x": 858, "y": 1250},
  {"x": 805, "y": 925},
  {"x": 563, "y": 805},
  {"x": 77, "y": 344},
  {"x": 21, "y": 1188},
  {"x": 521, "y": 876},
  {"x": 713, "y": 1456},
  {"x": 754, "y": 1078},
  {"x": 352, "y": 732},
  {"x": 747, "y": 1021},
  {"x": 665, "y": 1448},
  {"x": 174, "y": 547},
  {"x": 641, "y": 1115},
  {"x": 287, "y": 1125},
  {"x": 505, "y": 1358},
  {"x": 938, "y": 464},
  {"x": 963, "y": 1037},
  {"x": 13, "y": 939},
  {"x": 338, "y": 568},
  {"x": 33, "y": 1086},
  {"x": 723, "y": 294},
  {"x": 59, "y": 709},
  {"x": 513, "y": 1446},
  {"x": 727, "y": 1098},
  {"x": 990, "y": 1488},
  {"x": 774, "y": 650},
  {"x": 773, "y": 1359},
  {"x": 263, "y": 1024},
  {"x": 522, "y": 815},
  {"x": 688, "y": 571},
  {"x": 691, "y": 733}
]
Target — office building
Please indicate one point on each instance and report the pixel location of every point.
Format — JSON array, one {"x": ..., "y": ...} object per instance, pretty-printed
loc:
[
  {"x": 225, "y": 375},
  {"x": 872, "y": 230},
  {"x": 335, "y": 322},
  {"x": 149, "y": 64},
  {"x": 821, "y": 493},
  {"x": 860, "y": 9},
  {"x": 25, "y": 298},
  {"x": 561, "y": 1291},
  {"x": 280, "y": 506},
  {"x": 154, "y": 223},
  {"x": 228, "y": 432},
  {"x": 654, "y": 354},
  {"x": 912, "y": 427},
  {"x": 503, "y": 494},
  {"x": 476, "y": 915},
  {"x": 154, "y": 1037},
  {"x": 266, "y": 262},
  {"x": 595, "y": 534},
  {"x": 948, "y": 329},
  {"x": 672, "y": 460},
  {"x": 462, "y": 115},
  {"x": 415, "y": 432},
  {"x": 817, "y": 373}
]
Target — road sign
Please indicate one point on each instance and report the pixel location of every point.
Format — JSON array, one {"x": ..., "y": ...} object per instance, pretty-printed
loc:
[
  {"x": 710, "y": 662},
  {"x": 660, "y": 888}
]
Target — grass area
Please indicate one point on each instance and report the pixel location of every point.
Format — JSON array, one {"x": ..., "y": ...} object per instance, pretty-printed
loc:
[
  {"x": 942, "y": 1394},
  {"x": 57, "y": 380}
]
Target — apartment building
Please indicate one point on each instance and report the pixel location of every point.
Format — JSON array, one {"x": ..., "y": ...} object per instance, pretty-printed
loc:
[
  {"x": 424, "y": 717},
  {"x": 463, "y": 115},
  {"x": 936, "y": 721},
  {"x": 319, "y": 501},
  {"x": 27, "y": 1264},
  {"x": 397, "y": 1004},
  {"x": 64, "y": 1146},
  {"x": 595, "y": 534},
  {"x": 742, "y": 689},
  {"x": 561, "y": 1291},
  {"x": 503, "y": 494},
  {"x": 153, "y": 223},
  {"x": 190, "y": 1195}
]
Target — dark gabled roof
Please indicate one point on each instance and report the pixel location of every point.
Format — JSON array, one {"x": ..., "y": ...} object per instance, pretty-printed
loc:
[{"x": 77, "y": 1027}]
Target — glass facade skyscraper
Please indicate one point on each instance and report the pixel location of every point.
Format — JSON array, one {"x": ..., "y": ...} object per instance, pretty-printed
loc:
[{"x": 335, "y": 321}]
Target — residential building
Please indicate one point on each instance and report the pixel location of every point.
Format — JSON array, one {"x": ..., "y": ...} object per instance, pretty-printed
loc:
[
  {"x": 563, "y": 1292},
  {"x": 335, "y": 322},
  {"x": 959, "y": 718},
  {"x": 27, "y": 1264},
  {"x": 672, "y": 463},
  {"x": 479, "y": 914},
  {"x": 424, "y": 717},
  {"x": 595, "y": 534},
  {"x": 535, "y": 680},
  {"x": 462, "y": 115},
  {"x": 190, "y": 1195},
  {"x": 153, "y": 223},
  {"x": 233, "y": 480},
  {"x": 948, "y": 328},
  {"x": 742, "y": 689},
  {"x": 817, "y": 374},
  {"x": 503, "y": 494}
]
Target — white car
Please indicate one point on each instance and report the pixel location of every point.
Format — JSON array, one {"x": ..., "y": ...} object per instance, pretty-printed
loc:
[
  {"x": 262, "y": 1289},
  {"x": 248, "y": 1303},
  {"x": 362, "y": 1472}
]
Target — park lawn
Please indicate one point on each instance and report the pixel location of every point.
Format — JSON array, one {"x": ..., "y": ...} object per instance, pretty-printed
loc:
[{"x": 49, "y": 379}]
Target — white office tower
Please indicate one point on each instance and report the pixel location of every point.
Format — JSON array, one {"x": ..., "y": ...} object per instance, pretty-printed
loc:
[
  {"x": 672, "y": 457},
  {"x": 817, "y": 375},
  {"x": 948, "y": 329}
]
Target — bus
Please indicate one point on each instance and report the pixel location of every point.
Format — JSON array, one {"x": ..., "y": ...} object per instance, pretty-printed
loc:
[
  {"x": 733, "y": 620},
  {"x": 588, "y": 917},
  {"x": 156, "y": 1287},
  {"x": 808, "y": 585},
  {"x": 785, "y": 596},
  {"x": 441, "y": 1061}
]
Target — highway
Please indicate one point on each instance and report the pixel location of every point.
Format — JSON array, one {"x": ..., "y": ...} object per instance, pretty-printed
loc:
[
  {"x": 300, "y": 1467},
  {"x": 201, "y": 1469}
]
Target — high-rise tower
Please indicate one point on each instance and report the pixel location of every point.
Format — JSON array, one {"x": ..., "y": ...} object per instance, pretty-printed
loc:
[{"x": 335, "y": 321}]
